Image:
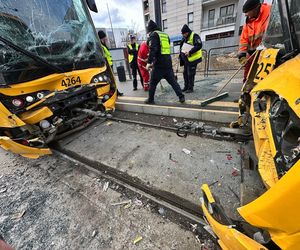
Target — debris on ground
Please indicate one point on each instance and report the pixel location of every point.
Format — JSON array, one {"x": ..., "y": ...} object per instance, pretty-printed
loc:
[
  {"x": 18, "y": 215},
  {"x": 194, "y": 227},
  {"x": 170, "y": 158},
  {"x": 174, "y": 120},
  {"x": 122, "y": 203},
  {"x": 138, "y": 202},
  {"x": 162, "y": 211},
  {"x": 235, "y": 173},
  {"x": 137, "y": 240},
  {"x": 186, "y": 151},
  {"x": 128, "y": 205},
  {"x": 109, "y": 123},
  {"x": 105, "y": 186},
  {"x": 229, "y": 157},
  {"x": 213, "y": 183},
  {"x": 94, "y": 233},
  {"x": 3, "y": 189}
]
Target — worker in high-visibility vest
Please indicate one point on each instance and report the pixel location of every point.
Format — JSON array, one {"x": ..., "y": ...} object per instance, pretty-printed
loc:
[
  {"x": 257, "y": 20},
  {"x": 190, "y": 59},
  {"x": 108, "y": 57},
  {"x": 160, "y": 61},
  {"x": 133, "y": 48}
]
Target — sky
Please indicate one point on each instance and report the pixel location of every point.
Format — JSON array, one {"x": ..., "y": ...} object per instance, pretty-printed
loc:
[{"x": 124, "y": 14}]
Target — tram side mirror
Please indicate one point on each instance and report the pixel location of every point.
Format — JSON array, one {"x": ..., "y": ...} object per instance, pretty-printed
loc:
[{"x": 92, "y": 5}]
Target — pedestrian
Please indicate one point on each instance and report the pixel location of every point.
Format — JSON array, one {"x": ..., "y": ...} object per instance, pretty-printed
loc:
[
  {"x": 143, "y": 55},
  {"x": 161, "y": 62},
  {"x": 133, "y": 48},
  {"x": 257, "y": 19},
  {"x": 189, "y": 59},
  {"x": 103, "y": 40}
]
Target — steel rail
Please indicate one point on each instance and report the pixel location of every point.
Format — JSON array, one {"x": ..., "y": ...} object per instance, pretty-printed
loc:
[{"x": 185, "y": 211}]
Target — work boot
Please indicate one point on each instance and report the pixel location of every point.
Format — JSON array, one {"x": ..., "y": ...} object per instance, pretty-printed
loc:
[
  {"x": 119, "y": 93},
  {"x": 182, "y": 99},
  {"x": 189, "y": 91},
  {"x": 184, "y": 89},
  {"x": 134, "y": 89},
  {"x": 149, "y": 101}
]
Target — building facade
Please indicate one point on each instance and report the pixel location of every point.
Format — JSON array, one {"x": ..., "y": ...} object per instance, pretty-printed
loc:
[
  {"x": 116, "y": 39},
  {"x": 218, "y": 22}
]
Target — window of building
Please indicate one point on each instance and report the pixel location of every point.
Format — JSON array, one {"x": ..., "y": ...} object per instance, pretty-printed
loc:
[
  {"x": 190, "y": 19},
  {"x": 211, "y": 18},
  {"x": 227, "y": 10},
  {"x": 219, "y": 35},
  {"x": 164, "y": 24},
  {"x": 190, "y": 2},
  {"x": 163, "y": 6}
]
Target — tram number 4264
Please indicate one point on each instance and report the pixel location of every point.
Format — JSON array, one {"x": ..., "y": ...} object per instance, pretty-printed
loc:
[
  {"x": 263, "y": 70},
  {"x": 68, "y": 82}
]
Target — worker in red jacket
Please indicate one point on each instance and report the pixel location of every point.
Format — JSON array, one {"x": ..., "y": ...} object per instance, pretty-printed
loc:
[
  {"x": 143, "y": 54},
  {"x": 257, "y": 19}
]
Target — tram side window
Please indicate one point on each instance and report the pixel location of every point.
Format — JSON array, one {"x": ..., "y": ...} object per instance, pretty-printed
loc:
[
  {"x": 295, "y": 16},
  {"x": 274, "y": 34}
]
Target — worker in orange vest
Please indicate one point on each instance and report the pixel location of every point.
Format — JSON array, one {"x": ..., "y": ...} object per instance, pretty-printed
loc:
[{"x": 257, "y": 19}]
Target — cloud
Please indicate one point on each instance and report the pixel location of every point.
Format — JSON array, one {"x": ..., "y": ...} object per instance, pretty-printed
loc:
[{"x": 123, "y": 14}]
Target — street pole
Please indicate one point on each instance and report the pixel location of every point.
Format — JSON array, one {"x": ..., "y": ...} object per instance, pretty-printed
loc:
[{"x": 112, "y": 29}]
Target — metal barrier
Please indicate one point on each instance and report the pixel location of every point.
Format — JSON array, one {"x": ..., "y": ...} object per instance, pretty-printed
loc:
[
  {"x": 227, "y": 60},
  {"x": 201, "y": 67},
  {"x": 214, "y": 60}
]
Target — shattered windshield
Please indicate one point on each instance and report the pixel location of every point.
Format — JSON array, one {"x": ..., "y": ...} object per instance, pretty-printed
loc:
[{"x": 59, "y": 31}]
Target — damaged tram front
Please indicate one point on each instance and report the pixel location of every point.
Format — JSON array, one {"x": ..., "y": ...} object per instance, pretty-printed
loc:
[{"x": 54, "y": 78}]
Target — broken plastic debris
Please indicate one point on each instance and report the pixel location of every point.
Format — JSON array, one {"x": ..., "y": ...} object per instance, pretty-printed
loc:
[
  {"x": 170, "y": 158},
  {"x": 138, "y": 202},
  {"x": 18, "y": 215},
  {"x": 186, "y": 151},
  {"x": 105, "y": 186},
  {"x": 198, "y": 239},
  {"x": 3, "y": 189},
  {"x": 137, "y": 240},
  {"x": 235, "y": 173},
  {"x": 94, "y": 233},
  {"x": 194, "y": 227},
  {"x": 161, "y": 211},
  {"x": 121, "y": 203},
  {"x": 229, "y": 157},
  {"x": 127, "y": 206}
]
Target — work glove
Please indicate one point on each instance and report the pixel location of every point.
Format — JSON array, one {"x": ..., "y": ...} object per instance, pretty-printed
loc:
[
  {"x": 242, "y": 58},
  {"x": 149, "y": 66}
]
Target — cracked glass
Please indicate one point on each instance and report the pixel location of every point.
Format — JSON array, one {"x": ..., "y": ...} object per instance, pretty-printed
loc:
[{"x": 58, "y": 31}]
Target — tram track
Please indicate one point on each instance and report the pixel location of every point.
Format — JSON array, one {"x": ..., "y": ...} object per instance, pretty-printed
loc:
[
  {"x": 177, "y": 209},
  {"x": 180, "y": 210}
]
